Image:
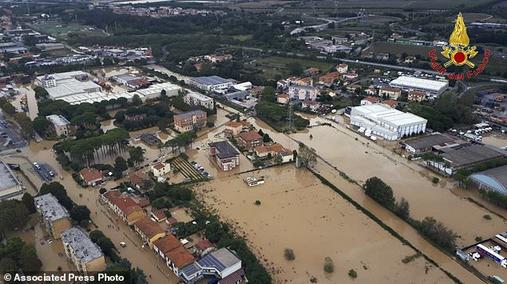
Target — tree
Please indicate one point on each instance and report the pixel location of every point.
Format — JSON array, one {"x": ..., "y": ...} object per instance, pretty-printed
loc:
[
  {"x": 289, "y": 254},
  {"x": 58, "y": 191},
  {"x": 106, "y": 245},
  {"x": 80, "y": 213},
  {"x": 41, "y": 125},
  {"x": 25, "y": 123},
  {"x": 28, "y": 201},
  {"x": 295, "y": 68},
  {"x": 379, "y": 191},
  {"x": 120, "y": 165},
  {"x": 29, "y": 261},
  {"x": 7, "y": 264},
  {"x": 136, "y": 100},
  {"x": 306, "y": 156},
  {"x": 40, "y": 93},
  {"x": 438, "y": 233},
  {"x": 13, "y": 215},
  {"x": 402, "y": 209},
  {"x": 136, "y": 154}
]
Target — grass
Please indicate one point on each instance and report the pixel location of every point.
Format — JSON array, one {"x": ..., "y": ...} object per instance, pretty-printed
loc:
[
  {"x": 397, "y": 48},
  {"x": 277, "y": 65},
  {"x": 60, "y": 30}
]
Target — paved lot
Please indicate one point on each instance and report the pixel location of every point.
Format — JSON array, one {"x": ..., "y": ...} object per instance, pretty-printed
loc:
[{"x": 45, "y": 172}]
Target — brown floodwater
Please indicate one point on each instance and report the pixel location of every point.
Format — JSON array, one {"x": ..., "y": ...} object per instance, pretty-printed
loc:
[
  {"x": 300, "y": 213},
  {"x": 363, "y": 159},
  {"x": 107, "y": 222}
]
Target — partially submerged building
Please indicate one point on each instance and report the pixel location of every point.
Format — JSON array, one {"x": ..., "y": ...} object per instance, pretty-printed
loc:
[
  {"x": 10, "y": 187},
  {"x": 85, "y": 254},
  {"x": 429, "y": 142},
  {"x": 224, "y": 155},
  {"x": 493, "y": 179},
  {"x": 386, "y": 122},
  {"x": 54, "y": 216}
]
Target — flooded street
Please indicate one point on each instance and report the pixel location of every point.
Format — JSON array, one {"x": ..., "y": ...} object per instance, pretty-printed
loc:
[
  {"x": 101, "y": 217},
  {"x": 298, "y": 212}
]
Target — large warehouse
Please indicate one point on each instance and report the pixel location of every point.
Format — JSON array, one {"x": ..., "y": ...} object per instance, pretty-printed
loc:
[
  {"x": 432, "y": 88},
  {"x": 386, "y": 122},
  {"x": 10, "y": 187},
  {"x": 492, "y": 179}
]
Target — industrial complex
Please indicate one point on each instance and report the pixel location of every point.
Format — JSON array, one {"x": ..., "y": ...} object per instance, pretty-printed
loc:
[
  {"x": 386, "y": 122},
  {"x": 432, "y": 88}
]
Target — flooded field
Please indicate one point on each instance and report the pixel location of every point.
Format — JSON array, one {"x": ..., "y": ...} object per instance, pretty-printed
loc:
[
  {"x": 361, "y": 159},
  {"x": 298, "y": 212},
  {"x": 497, "y": 139}
]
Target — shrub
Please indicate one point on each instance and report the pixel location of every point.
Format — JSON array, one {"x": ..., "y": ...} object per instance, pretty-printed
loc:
[
  {"x": 257, "y": 202},
  {"x": 487, "y": 217},
  {"x": 435, "y": 180},
  {"x": 328, "y": 265},
  {"x": 352, "y": 274},
  {"x": 289, "y": 254}
]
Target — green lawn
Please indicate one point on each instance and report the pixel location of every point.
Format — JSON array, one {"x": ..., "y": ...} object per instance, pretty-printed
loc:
[
  {"x": 61, "y": 30},
  {"x": 276, "y": 65}
]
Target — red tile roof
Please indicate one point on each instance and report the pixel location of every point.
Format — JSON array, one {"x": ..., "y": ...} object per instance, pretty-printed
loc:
[
  {"x": 391, "y": 103},
  {"x": 126, "y": 204},
  {"x": 372, "y": 99},
  {"x": 203, "y": 244},
  {"x": 251, "y": 135},
  {"x": 158, "y": 165},
  {"x": 159, "y": 214},
  {"x": 180, "y": 257},
  {"x": 90, "y": 175},
  {"x": 167, "y": 243},
  {"x": 148, "y": 227}
]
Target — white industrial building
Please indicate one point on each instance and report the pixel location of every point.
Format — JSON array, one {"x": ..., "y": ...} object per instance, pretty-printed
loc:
[
  {"x": 432, "y": 88},
  {"x": 76, "y": 88},
  {"x": 10, "y": 187},
  {"x": 197, "y": 99},
  {"x": 386, "y": 122},
  {"x": 65, "y": 84}
]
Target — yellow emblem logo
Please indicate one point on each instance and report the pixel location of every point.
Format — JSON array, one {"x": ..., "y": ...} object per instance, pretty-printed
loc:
[{"x": 458, "y": 50}]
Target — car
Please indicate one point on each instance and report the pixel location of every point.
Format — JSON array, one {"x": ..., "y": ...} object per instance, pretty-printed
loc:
[
  {"x": 51, "y": 173},
  {"x": 123, "y": 244},
  {"x": 18, "y": 150}
]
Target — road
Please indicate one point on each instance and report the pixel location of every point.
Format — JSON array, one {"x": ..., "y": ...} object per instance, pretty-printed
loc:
[
  {"x": 323, "y": 26},
  {"x": 107, "y": 222}
]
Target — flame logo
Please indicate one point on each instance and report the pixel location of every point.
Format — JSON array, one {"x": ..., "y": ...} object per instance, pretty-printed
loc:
[{"x": 458, "y": 50}]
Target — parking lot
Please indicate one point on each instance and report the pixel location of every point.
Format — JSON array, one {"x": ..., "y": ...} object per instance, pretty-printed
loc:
[
  {"x": 45, "y": 171},
  {"x": 9, "y": 138}
]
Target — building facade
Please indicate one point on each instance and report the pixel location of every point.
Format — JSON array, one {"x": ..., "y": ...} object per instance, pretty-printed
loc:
[
  {"x": 85, "y": 254},
  {"x": 224, "y": 155},
  {"x": 55, "y": 217},
  {"x": 386, "y": 122},
  {"x": 61, "y": 126},
  {"x": 196, "y": 99},
  {"x": 190, "y": 120}
]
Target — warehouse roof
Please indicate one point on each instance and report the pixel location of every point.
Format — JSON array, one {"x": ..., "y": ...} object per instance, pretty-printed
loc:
[
  {"x": 495, "y": 179},
  {"x": 210, "y": 80},
  {"x": 199, "y": 96},
  {"x": 385, "y": 113},
  {"x": 429, "y": 141},
  {"x": 219, "y": 260},
  {"x": 425, "y": 84},
  {"x": 467, "y": 155}
]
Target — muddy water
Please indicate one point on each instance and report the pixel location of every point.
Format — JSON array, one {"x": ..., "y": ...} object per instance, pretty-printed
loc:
[
  {"x": 498, "y": 140},
  {"x": 107, "y": 125},
  {"x": 106, "y": 221},
  {"x": 300, "y": 213},
  {"x": 362, "y": 159}
]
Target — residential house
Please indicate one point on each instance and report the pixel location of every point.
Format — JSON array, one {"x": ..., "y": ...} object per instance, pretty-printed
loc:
[
  {"x": 329, "y": 79},
  {"x": 60, "y": 125},
  {"x": 203, "y": 247},
  {"x": 224, "y": 154},
  {"x": 351, "y": 76},
  {"x": 85, "y": 254},
  {"x": 233, "y": 128},
  {"x": 158, "y": 215},
  {"x": 197, "y": 99},
  {"x": 303, "y": 92},
  {"x": 264, "y": 151},
  {"x": 221, "y": 263},
  {"x": 91, "y": 176},
  {"x": 149, "y": 230},
  {"x": 310, "y": 105},
  {"x": 249, "y": 140},
  {"x": 160, "y": 170},
  {"x": 390, "y": 92},
  {"x": 282, "y": 98},
  {"x": 371, "y": 91},
  {"x": 342, "y": 68},
  {"x": 140, "y": 180},
  {"x": 391, "y": 103},
  {"x": 307, "y": 81},
  {"x": 416, "y": 96},
  {"x": 190, "y": 120},
  {"x": 124, "y": 206},
  {"x": 369, "y": 100},
  {"x": 54, "y": 216},
  {"x": 312, "y": 71}
]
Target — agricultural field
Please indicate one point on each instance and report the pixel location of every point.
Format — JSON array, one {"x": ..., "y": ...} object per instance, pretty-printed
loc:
[
  {"x": 61, "y": 30},
  {"x": 275, "y": 65},
  {"x": 396, "y": 48}
]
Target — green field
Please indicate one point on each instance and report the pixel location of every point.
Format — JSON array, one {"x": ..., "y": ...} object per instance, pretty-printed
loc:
[
  {"x": 61, "y": 31},
  {"x": 396, "y": 48},
  {"x": 276, "y": 65}
]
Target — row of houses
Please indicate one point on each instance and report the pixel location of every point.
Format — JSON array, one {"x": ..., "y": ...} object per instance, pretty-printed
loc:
[
  {"x": 79, "y": 248},
  {"x": 222, "y": 265}
]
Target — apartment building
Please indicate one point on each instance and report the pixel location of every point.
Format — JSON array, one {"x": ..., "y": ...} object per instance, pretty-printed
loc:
[
  {"x": 85, "y": 254},
  {"x": 54, "y": 216}
]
